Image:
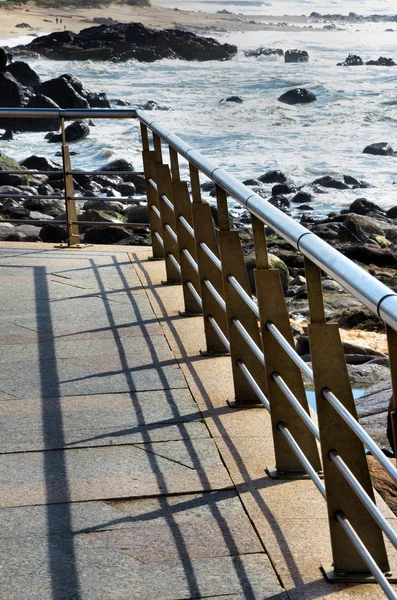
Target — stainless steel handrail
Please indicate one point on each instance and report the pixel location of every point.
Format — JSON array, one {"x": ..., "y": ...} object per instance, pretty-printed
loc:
[
  {"x": 186, "y": 225},
  {"x": 159, "y": 239},
  {"x": 243, "y": 294},
  {"x": 190, "y": 258},
  {"x": 215, "y": 294},
  {"x": 155, "y": 210},
  {"x": 255, "y": 387},
  {"x": 296, "y": 405},
  {"x": 69, "y": 113},
  {"x": 292, "y": 353},
  {"x": 211, "y": 255},
  {"x": 219, "y": 332},
  {"x": 174, "y": 262},
  {"x": 246, "y": 336},
  {"x": 168, "y": 202},
  {"x": 171, "y": 232},
  {"x": 194, "y": 293}
]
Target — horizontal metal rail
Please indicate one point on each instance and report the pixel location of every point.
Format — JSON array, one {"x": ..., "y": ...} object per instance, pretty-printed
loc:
[
  {"x": 246, "y": 336},
  {"x": 219, "y": 332},
  {"x": 175, "y": 262},
  {"x": 186, "y": 225},
  {"x": 292, "y": 399},
  {"x": 211, "y": 255},
  {"x": 292, "y": 353},
  {"x": 194, "y": 293},
  {"x": 155, "y": 210},
  {"x": 159, "y": 239},
  {"x": 302, "y": 458},
  {"x": 243, "y": 294},
  {"x": 106, "y": 224},
  {"x": 12, "y": 196},
  {"x": 171, "y": 232},
  {"x": 363, "y": 496},
  {"x": 23, "y": 171},
  {"x": 68, "y": 113},
  {"x": 191, "y": 260},
  {"x": 360, "y": 433},
  {"x": 371, "y": 292},
  {"x": 255, "y": 387},
  {"x": 56, "y": 172},
  {"x": 365, "y": 555},
  {"x": 168, "y": 202},
  {"x": 215, "y": 294},
  {"x": 32, "y": 222}
]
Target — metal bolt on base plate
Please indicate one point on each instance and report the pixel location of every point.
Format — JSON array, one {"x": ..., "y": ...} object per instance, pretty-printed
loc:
[{"x": 241, "y": 405}]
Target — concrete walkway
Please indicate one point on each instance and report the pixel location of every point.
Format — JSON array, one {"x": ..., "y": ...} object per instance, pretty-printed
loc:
[{"x": 112, "y": 485}]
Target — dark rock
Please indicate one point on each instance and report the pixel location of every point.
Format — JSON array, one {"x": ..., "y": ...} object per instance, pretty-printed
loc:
[
  {"x": 365, "y": 227},
  {"x": 108, "y": 205},
  {"x": 42, "y": 124},
  {"x": 61, "y": 91},
  {"x": 53, "y": 234},
  {"x": 296, "y": 56},
  {"x": 43, "y": 205},
  {"x": 249, "y": 182},
  {"x": 330, "y": 182},
  {"x": 352, "y": 60},
  {"x": 3, "y": 60},
  {"x": 362, "y": 206},
  {"x": 78, "y": 130},
  {"x": 10, "y": 190},
  {"x": 392, "y": 212},
  {"x": 297, "y": 96},
  {"x": 380, "y": 149},
  {"x": 137, "y": 213},
  {"x": 106, "y": 235},
  {"x": 263, "y": 51},
  {"x": 40, "y": 163},
  {"x": 11, "y": 94},
  {"x": 124, "y": 41},
  {"x": 282, "y": 188},
  {"x": 7, "y": 135},
  {"x": 305, "y": 207},
  {"x": 122, "y": 102},
  {"x": 126, "y": 188},
  {"x": 382, "y": 62},
  {"x": 381, "y": 481},
  {"x": 273, "y": 177},
  {"x": 152, "y": 105},
  {"x": 9, "y": 164},
  {"x": 24, "y": 74},
  {"x": 118, "y": 165},
  {"x": 280, "y": 202},
  {"x": 302, "y": 197},
  {"x": 370, "y": 254},
  {"x": 349, "y": 180},
  {"x": 235, "y": 99}
]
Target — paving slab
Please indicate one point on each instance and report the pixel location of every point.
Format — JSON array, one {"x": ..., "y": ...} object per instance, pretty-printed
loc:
[
  {"x": 99, "y": 420},
  {"x": 191, "y": 546},
  {"x": 105, "y": 472}
]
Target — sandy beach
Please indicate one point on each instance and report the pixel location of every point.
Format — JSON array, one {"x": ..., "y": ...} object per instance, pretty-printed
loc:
[{"x": 42, "y": 20}]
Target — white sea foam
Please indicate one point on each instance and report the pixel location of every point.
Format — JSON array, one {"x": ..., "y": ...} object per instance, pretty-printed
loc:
[{"x": 355, "y": 107}]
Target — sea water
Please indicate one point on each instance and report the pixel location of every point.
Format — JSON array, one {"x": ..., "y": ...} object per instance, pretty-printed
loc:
[{"x": 355, "y": 106}]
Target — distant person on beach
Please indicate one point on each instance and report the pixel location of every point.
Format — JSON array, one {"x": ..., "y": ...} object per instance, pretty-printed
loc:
[{"x": 56, "y": 20}]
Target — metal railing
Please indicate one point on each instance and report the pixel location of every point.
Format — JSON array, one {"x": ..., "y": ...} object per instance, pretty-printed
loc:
[{"x": 208, "y": 262}]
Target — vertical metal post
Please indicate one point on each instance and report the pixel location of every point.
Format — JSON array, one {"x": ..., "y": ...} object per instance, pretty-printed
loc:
[
  {"x": 392, "y": 345},
  {"x": 208, "y": 270},
  {"x": 186, "y": 243},
  {"x": 236, "y": 308},
  {"x": 330, "y": 372},
  {"x": 272, "y": 308},
  {"x": 149, "y": 166},
  {"x": 70, "y": 204}
]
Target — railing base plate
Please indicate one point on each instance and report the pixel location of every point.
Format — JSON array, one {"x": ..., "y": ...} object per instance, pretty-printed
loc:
[
  {"x": 156, "y": 258},
  {"x": 290, "y": 475},
  {"x": 207, "y": 353},
  {"x": 182, "y": 313},
  {"x": 355, "y": 576},
  {"x": 241, "y": 405},
  {"x": 165, "y": 282},
  {"x": 77, "y": 246}
]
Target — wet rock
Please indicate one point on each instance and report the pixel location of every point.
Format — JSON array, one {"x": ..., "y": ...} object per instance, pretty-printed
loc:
[
  {"x": 127, "y": 189},
  {"x": 99, "y": 205},
  {"x": 381, "y": 481},
  {"x": 78, "y": 130},
  {"x": 296, "y": 56},
  {"x": 9, "y": 164},
  {"x": 297, "y": 96},
  {"x": 263, "y": 51},
  {"x": 124, "y": 41},
  {"x": 106, "y": 235},
  {"x": 249, "y": 182},
  {"x": 330, "y": 182},
  {"x": 152, "y": 105},
  {"x": 54, "y": 234},
  {"x": 232, "y": 99},
  {"x": 40, "y": 163},
  {"x": 366, "y": 227},
  {"x": 273, "y": 177},
  {"x": 349, "y": 180},
  {"x": 380, "y": 149},
  {"x": 11, "y": 94},
  {"x": 44, "y": 205},
  {"x": 382, "y": 62},
  {"x": 302, "y": 197},
  {"x": 392, "y": 212},
  {"x": 42, "y": 124},
  {"x": 370, "y": 254},
  {"x": 137, "y": 213},
  {"x": 3, "y": 60},
  {"x": 24, "y": 74},
  {"x": 282, "y": 188},
  {"x": 352, "y": 60},
  {"x": 362, "y": 206},
  {"x": 280, "y": 202},
  {"x": 119, "y": 164},
  {"x": 372, "y": 410},
  {"x": 7, "y": 135},
  {"x": 61, "y": 91}
]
